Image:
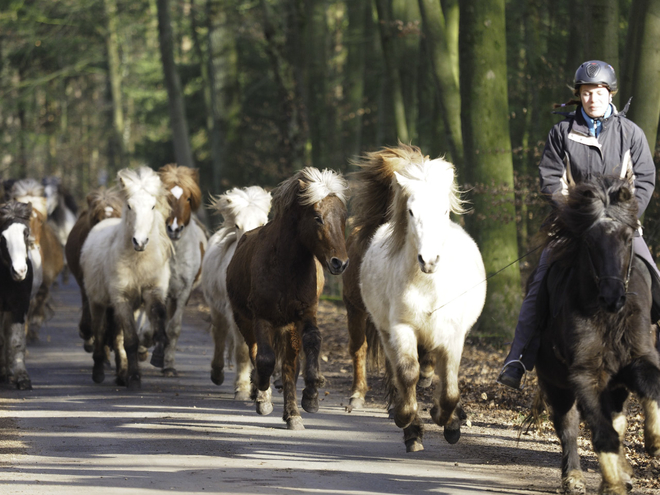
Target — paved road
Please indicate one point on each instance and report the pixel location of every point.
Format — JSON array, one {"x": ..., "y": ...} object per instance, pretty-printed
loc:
[{"x": 185, "y": 435}]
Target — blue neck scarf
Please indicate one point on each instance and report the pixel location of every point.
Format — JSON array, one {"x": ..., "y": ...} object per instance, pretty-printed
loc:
[{"x": 595, "y": 125}]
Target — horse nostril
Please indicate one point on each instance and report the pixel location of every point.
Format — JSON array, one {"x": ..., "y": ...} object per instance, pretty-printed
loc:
[{"x": 420, "y": 258}]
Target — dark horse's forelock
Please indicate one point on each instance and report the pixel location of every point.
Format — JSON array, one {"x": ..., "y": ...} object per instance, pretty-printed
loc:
[
  {"x": 14, "y": 211},
  {"x": 604, "y": 198}
]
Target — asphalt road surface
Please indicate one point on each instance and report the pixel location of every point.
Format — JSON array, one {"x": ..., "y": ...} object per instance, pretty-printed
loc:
[{"x": 185, "y": 435}]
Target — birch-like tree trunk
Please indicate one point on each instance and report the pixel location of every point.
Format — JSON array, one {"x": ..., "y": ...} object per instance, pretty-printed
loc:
[{"x": 118, "y": 149}]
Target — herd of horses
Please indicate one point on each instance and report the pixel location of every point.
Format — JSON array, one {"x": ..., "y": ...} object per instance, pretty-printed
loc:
[{"x": 414, "y": 284}]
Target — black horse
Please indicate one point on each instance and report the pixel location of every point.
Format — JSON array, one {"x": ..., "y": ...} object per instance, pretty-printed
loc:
[{"x": 596, "y": 334}]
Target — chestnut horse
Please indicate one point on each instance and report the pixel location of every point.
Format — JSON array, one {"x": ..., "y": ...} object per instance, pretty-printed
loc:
[
  {"x": 46, "y": 241},
  {"x": 101, "y": 204},
  {"x": 189, "y": 241},
  {"x": 15, "y": 288},
  {"x": 274, "y": 281}
]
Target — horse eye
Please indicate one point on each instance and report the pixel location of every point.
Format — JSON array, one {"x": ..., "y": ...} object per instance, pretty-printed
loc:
[
  {"x": 154, "y": 206},
  {"x": 410, "y": 212},
  {"x": 129, "y": 207},
  {"x": 189, "y": 199},
  {"x": 238, "y": 227},
  {"x": 319, "y": 220}
]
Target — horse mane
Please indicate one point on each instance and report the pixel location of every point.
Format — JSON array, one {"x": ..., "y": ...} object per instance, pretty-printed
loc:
[
  {"x": 15, "y": 210},
  {"x": 131, "y": 181},
  {"x": 233, "y": 201},
  {"x": 99, "y": 200},
  {"x": 30, "y": 191},
  {"x": 307, "y": 187},
  {"x": 377, "y": 198},
  {"x": 185, "y": 177},
  {"x": 62, "y": 192},
  {"x": 586, "y": 204}
]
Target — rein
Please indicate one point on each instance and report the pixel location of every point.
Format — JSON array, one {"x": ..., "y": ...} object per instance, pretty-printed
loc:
[{"x": 598, "y": 279}]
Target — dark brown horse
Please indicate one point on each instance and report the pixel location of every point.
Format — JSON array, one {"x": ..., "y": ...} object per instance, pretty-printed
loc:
[
  {"x": 596, "y": 333},
  {"x": 274, "y": 281},
  {"x": 101, "y": 204}
]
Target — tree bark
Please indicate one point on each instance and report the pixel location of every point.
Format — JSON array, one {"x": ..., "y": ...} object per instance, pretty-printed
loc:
[
  {"x": 488, "y": 159},
  {"x": 178, "y": 122},
  {"x": 603, "y": 31},
  {"x": 445, "y": 74}
]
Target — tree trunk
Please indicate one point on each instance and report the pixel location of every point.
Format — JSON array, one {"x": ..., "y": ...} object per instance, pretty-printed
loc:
[
  {"x": 445, "y": 75},
  {"x": 118, "y": 148},
  {"x": 178, "y": 123},
  {"x": 385, "y": 24},
  {"x": 488, "y": 159},
  {"x": 636, "y": 22},
  {"x": 603, "y": 31}
]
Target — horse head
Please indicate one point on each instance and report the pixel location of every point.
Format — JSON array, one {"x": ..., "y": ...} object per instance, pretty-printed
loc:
[
  {"x": 101, "y": 204},
  {"x": 14, "y": 226},
  {"x": 243, "y": 209},
  {"x": 184, "y": 196},
  {"x": 145, "y": 204},
  {"x": 425, "y": 194},
  {"x": 322, "y": 222},
  {"x": 599, "y": 220}
]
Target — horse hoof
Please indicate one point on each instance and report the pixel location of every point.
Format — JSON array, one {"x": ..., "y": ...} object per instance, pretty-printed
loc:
[
  {"x": 414, "y": 445},
  {"x": 310, "y": 404},
  {"x": 24, "y": 384},
  {"x": 609, "y": 489},
  {"x": 134, "y": 383},
  {"x": 425, "y": 382},
  {"x": 120, "y": 381},
  {"x": 264, "y": 408},
  {"x": 574, "y": 484},
  {"x": 452, "y": 435},
  {"x": 278, "y": 384},
  {"x": 98, "y": 376},
  {"x": 295, "y": 423},
  {"x": 89, "y": 346},
  {"x": 143, "y": 354},
  {"x": 403, "y": 420},
  {"x": 390, "y": 413},
  {"x": 242, "y": 396},
  {"x": 158, "y": 357},
  {"x": 355, "y": 403},
  {"x": 170, "y": 372},
  {"x": 217, "y": 376}
]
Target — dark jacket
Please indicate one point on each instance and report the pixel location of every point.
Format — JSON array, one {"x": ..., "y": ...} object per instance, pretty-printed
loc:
[{"x": 572, "y": 155}]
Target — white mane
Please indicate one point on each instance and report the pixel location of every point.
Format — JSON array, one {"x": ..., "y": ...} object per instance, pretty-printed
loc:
[
  {"x": 231, "y": 203},
  {"x": 30, "y": 191},
  {"x": 322, "y": 184}
]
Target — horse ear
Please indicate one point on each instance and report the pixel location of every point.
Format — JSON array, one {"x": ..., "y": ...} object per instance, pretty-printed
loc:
[
  {"x": 301, "y": 184},
  {"x": 400, "y": 179}
]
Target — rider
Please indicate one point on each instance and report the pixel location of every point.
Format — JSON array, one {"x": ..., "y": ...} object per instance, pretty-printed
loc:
[{"x": 593, "y": 140}]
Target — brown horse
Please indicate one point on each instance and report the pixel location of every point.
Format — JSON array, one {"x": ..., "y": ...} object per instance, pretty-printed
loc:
[
  {"x": 274, "y": 281},
  {"x": 101, "y": 204},
  {"x": 48, "y": 244}
]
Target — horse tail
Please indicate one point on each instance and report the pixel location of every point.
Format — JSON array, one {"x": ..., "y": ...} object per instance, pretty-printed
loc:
[
  {"x": 373, "y": 190},
  {"x": 534, "y": 418},
  {"x": 375, "y": 353}
]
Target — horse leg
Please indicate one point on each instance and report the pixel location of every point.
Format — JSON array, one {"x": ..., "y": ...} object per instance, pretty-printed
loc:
[
  {"x": 644, "y": 380},
  {"x": 620, "y": 424},
  {"x": 36, "y": 313},
  {"x": 264, "y": 357},
  {"x": 85, "y": 324},
  {"x": 173, "y": 331},
  {"x": 357, "y": 348},
  {"x": 98, "y": 319},
  {"x": 4, "y": 376},
  {"x": 157, "y": 313},
  {"x": 401, "y": 350},
  {"x": 446, "y": 410},
  {"x": 651, "y": 427},
  {"x": 413, "y": 435},
  {"x": 243, "y": 366},
  {"x": 219, "y": 328},
  {"x": 16, "y": 343},
  {"x": 126, "y": 324},
  {"x": 427, "y": 364},
  {"x": 291, "y": 346},
  {"x": 311, "y": 344}
]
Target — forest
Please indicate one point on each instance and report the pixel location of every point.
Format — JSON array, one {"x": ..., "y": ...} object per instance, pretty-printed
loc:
[{"x": 249, "y": 91}]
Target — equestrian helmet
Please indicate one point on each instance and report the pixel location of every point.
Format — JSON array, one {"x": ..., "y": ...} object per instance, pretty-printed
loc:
[{"x": 595, "y": 72}]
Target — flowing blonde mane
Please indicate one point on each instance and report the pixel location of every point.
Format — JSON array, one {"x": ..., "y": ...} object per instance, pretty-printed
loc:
[
  {"x": 237, "y": 199},
  {"x": 377, "y": 198},
  {"x": 308, "y": 187},
  {"x": 99, "y": 200},
  {"x": 186, "y": 178},
  {"x": 30, "y": 191}
]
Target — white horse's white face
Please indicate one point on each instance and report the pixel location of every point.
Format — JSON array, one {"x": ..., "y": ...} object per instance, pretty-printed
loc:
[
  {"x": 249, "y": 218},
  {"x": 428, "y": 221},
  {"x": 15, "y": 239},
  {"x": 140, "y": 216}
]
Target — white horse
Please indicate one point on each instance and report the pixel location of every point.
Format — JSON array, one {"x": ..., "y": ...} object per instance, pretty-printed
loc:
[
  {"x": 242, "y": 210},
  {"x": 422, "y": 280},
  {"x": 125, "y": 264},
  {"x": 189, "y": 241}
]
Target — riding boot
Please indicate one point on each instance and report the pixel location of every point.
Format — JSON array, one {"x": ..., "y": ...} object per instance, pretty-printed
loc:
[{"x": 526, "y": 340}]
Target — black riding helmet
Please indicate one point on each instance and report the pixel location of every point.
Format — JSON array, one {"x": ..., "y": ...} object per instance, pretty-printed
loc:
[{"x": 595, "y": 72}]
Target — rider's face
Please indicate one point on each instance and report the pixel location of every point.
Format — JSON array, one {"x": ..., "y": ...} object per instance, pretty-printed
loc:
[{"x": 595, "y": 99}]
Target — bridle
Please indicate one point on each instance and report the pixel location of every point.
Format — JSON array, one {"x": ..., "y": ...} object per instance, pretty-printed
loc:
[{"x": 598, "y": 279}]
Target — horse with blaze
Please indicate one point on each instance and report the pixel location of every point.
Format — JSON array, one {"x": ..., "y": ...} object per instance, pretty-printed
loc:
[
  {"x": 274, "y": 281},
  {"x": 15, "y": 288},
  {"x": 421, "y": 282},
  {"x": 242, "y": 209},
  {"x": 125, "y": 264},
  {"x": 596, "y": 332}
]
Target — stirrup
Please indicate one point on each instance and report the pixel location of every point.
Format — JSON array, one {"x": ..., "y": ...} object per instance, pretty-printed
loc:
[{"x": 523, "y": 380}]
